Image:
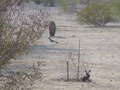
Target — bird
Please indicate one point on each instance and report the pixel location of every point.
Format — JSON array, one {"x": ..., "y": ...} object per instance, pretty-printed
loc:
[
  {"x": 52, "y": 28},
  {"x": 52, "y": 40}
]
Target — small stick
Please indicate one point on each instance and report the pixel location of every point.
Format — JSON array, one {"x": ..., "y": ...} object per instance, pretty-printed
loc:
[
  {"x": 78, "y": 61},
  {"x": 67, "y": 70}
]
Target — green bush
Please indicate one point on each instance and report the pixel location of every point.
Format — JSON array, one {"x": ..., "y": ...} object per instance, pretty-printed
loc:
[
  {"x": 95, "y": 14},
  {"x": 115, "y": 6}
]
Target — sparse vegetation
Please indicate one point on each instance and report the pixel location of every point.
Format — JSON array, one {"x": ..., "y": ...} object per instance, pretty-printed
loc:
[
  {"x": 21, "y": 80},
  {"x": 68, "y": 5},
  {"x": 95, "y": 14},
  {"x": 18, "y": 31},
  {"x": 85, "y": 2},
  {"x": 46, "y": 2},
  {"x": 22, "y": 26},
  {"x": 80, "y": 68},
  {"x": 37, "y": 1}
]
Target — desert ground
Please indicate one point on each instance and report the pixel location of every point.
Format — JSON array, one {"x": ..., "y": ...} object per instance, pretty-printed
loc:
[{"x": 99, "y": 52}]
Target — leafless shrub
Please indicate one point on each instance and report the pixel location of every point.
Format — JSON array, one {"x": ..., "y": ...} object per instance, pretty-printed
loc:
[
  {"x": 46, "y": 2},
  {"x": 22, "y": 80},
  {"x": 79, "y": 66},
  {"x": 70, "y": 57},
  {"x": 18, "y": 30}
]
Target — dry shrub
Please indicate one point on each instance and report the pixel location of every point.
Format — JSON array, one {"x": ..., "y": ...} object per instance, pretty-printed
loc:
[
  {"x": 68, "y": 5},
  {"x": 18, "y": 30},
  {"x": 46, "y": 2},
  {"x": 85, "y": 2},
  {"x": 23, "y": 80}
]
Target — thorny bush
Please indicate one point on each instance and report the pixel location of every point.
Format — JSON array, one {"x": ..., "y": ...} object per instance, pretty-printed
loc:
[
  {"x": 23, "y": 80},
  {"x": 18, "y": 29}
]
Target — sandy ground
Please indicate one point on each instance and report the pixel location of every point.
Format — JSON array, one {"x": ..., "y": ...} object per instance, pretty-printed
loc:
[{"x": 99, "y": 49}]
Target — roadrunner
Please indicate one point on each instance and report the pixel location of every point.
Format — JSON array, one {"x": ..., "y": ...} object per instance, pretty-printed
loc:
[{"x": 52, "y": 40}]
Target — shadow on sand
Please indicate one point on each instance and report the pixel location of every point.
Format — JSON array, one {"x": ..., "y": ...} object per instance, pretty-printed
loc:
[{"x": 61, "y": 37}]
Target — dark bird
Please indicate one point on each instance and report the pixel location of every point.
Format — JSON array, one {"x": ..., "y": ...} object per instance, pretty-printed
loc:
[
  {"x": 52, "y": 40},
  {"x": 52, "y": 29}
]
